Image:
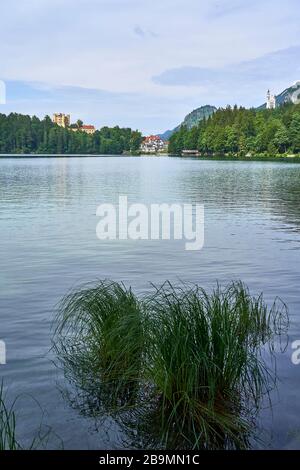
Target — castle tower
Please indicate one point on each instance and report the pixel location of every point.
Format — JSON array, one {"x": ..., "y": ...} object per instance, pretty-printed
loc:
[
  {"x": 271, "y": 100},
  {"x": 62, "y": 120}
]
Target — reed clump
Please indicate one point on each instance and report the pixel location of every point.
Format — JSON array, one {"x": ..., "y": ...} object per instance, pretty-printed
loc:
[
  {"x": 8, "y": 426},
  {"x": 205, "y": 359},
  {"x": 8, "y": 440},
  {"x": 100, "y": 335},
  {"x": 197, "y": 357}
]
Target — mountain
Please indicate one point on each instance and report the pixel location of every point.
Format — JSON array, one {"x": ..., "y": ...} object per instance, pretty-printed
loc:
[
  {"x": 191, "y": 120},
  {"x": 289, "y": 95},
  {"x": 166, "y": 135}
]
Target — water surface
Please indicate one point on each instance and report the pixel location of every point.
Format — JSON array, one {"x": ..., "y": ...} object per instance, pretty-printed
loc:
[{"x": 48, "y": 245}]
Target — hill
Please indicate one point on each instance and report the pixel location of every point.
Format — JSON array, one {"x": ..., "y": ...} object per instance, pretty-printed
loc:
[
  {"x": 191, "y": 120},
  {"x": 239, "y": 131}
]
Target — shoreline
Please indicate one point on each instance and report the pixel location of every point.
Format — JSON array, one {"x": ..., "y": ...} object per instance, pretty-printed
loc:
[{"x": 277, "y": 158}]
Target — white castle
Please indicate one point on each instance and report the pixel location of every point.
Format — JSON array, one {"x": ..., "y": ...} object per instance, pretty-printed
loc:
[{"x": 271, "y": 100}]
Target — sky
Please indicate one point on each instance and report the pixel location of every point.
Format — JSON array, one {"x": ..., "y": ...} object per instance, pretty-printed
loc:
[{"x": 144, "y": 64}]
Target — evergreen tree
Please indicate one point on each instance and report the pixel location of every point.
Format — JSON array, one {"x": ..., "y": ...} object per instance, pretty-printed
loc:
[
  {"x": 22, "y": 134},
  {"x": 239, "y": 131}
]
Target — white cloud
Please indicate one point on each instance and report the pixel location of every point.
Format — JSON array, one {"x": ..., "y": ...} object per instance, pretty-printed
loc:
[{"x": 119, "y": 45}]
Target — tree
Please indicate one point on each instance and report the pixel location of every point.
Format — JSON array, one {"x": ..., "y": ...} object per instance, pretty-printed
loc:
[
  {"x": 281, "y": 139},
  {"x": 135, "y": 141},
  {"x": 239, "y": 130},
  {"x": 23, "y": 134},
  {"x": 294, "y": 133},
  {"x": 232, "y": 139}
]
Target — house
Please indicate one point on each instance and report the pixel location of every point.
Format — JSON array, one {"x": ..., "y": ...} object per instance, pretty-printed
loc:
[
  {"x": 153, "y": 144},
  {"x": 88, "y": 129},
  {"x": 191, "y": 153}
]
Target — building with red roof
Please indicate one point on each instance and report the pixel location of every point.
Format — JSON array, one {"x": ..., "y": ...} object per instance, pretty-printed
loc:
[
  {"x": 153, "y": 144},
  {"x": 88, "y": 129}
]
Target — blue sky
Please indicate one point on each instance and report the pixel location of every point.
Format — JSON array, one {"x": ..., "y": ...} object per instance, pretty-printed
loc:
[{"x": 145, "y": 63}]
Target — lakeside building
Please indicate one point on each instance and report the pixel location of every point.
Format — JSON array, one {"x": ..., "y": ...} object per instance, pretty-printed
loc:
[
  {"x": 61, "y": 119},
  {"x": 153, "y": 144},
  {"x": 191, "y": 153},
  {"x": 271, "y": 100},
  {"x": 88, "y": 129}
]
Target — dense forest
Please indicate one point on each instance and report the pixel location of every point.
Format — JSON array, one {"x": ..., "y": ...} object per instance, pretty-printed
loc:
[
  {"x": 240, "y": 131},
  {"x": 25, "y": 134}
]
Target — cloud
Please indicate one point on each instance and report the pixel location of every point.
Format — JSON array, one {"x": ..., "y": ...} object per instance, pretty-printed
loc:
[
  {"x": 139, "y": 32},
  {"x": 115, "y": 47},
  {"x": 243, "y": 83},
  {"x": 223, "y": 8},
  {"x": 261, "y": 72},
  {"x": 187, "y": 76},
  {"x": 99, "y": 107}
]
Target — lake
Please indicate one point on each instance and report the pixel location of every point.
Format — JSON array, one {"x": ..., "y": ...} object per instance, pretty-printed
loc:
[{"x": 49, "y": 245}]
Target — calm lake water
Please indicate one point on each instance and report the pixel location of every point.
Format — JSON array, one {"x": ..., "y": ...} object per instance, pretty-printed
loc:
[{"x": 49, "y": 244}]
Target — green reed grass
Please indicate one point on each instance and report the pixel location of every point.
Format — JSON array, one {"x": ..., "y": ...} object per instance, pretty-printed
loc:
[
  {"x": 196, "y": 357},
  {"x": 100, "y": 334},
  {"x": 205, "y": 359},
  {"x": 8, "y": 427},
  {"x": 8, "y": 440}
]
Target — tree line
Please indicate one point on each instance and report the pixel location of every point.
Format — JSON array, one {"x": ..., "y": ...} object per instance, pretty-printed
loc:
[
  {"x": 22, "y": 134},
  {"x": 240, "y": 131}
]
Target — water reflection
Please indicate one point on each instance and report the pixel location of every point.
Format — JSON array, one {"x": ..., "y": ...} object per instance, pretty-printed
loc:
[
  {"x": 48, "y": 244},
  {"x": 138, "y": 420}
]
